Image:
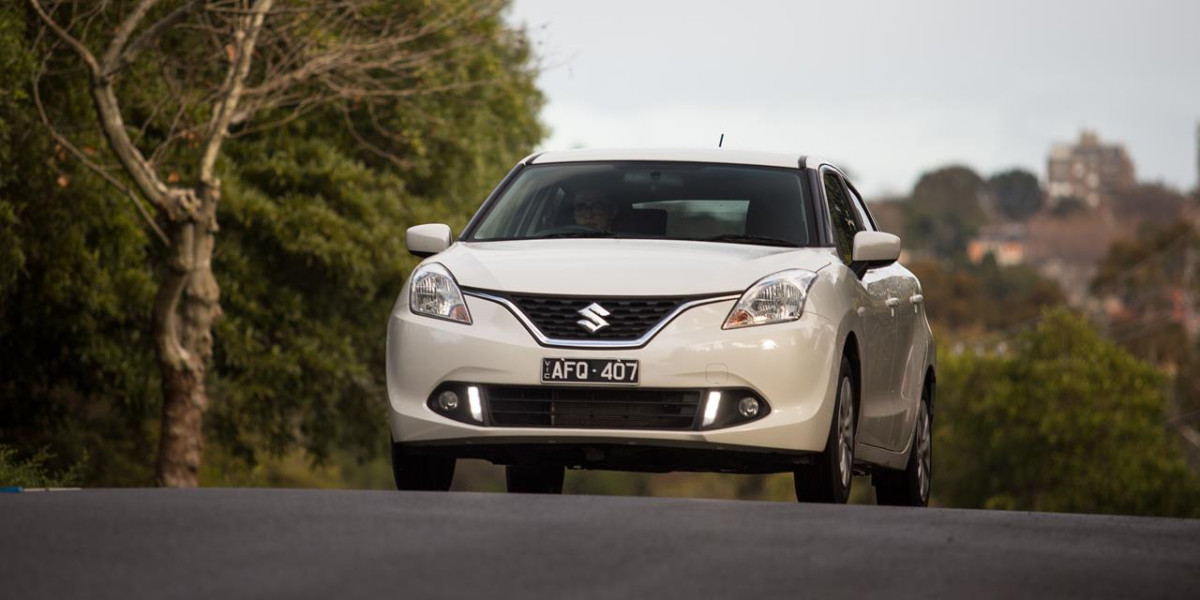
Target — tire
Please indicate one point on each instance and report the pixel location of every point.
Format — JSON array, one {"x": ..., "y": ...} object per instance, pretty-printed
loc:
[
  {"x": 828, "y": 479},
  {"x": 910, "y": 487},
  {"x": 534, "y": 479},
  {"x": 421, "y": 473}
]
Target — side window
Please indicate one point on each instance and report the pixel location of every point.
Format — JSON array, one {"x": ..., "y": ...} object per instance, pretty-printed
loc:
[
  {"x": 842, "y": 215},
  {"x": 864, "y": 216}
]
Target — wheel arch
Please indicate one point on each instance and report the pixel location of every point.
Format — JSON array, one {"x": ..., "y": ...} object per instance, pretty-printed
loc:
[
  {"x": 931, "y": 388},
  {"x": 850, "y": 350}
]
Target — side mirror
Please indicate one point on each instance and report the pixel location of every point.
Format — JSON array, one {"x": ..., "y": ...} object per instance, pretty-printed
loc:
[
  {"x": 873, "y": 249},
  {"x": 427, "y": 240}
]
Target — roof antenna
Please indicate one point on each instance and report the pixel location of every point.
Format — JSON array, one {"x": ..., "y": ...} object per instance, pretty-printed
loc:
[{"x": 721, "y": 141}]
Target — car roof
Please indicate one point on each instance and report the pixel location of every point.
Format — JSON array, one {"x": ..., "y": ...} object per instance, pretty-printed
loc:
[{"x": 708, "y": 155}]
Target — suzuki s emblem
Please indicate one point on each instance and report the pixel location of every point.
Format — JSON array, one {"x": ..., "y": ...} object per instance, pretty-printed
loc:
[{"x": 593, "y": 317}]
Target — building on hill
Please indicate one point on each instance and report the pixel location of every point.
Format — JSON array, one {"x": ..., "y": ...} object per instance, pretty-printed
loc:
[
  {"x": 1088, "y": 170},
  {"x": 1006, "y": 243}
]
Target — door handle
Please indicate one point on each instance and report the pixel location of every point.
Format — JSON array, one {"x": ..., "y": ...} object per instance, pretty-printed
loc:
[
  {"x": 892, "y": 303},
  {"x": 917, "y": 301}
]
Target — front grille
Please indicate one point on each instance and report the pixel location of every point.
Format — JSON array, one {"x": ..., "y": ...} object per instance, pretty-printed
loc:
[
  {"x": 628, "y": 319},
  {"x": 591, "y": 408}
]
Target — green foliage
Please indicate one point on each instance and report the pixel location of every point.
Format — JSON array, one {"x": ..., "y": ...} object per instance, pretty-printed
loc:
[
  {"x": 1066, "y": 422},
  {"x": 1145, "y": 272},
  {"x": 76, "y": 369},
  {"x": 33, "y": 471},
  {"x": 313, "y": 254},
  {"x": 16, "y": 63},
  {"x": 312, "y": 250},
  {"x": 310, "y": 256},
  {"x": 1155, "y": 278},
  {"x": 1017, "y": 193},
  {"x": 945, "y": 211},
  {"x": 966, "y": 298}
]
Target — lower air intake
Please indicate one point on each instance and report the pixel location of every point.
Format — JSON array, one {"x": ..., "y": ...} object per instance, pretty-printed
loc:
[{"x": 592, "y": 408}]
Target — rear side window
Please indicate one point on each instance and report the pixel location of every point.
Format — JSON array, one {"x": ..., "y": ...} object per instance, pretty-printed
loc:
[{"x": 842, "y": 216}]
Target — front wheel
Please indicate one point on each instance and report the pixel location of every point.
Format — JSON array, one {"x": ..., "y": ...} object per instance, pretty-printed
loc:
[
  {"x": 910, "y": 487},
  {"x": 534, "y": 479},
  {"x": 828, "y": 478}
]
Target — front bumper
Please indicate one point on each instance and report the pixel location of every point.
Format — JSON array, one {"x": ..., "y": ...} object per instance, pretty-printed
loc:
[{"x": 791, "y": 365}]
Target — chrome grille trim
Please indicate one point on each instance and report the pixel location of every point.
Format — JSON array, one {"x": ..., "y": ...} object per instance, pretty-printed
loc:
[{"x": 613, "y": 344}]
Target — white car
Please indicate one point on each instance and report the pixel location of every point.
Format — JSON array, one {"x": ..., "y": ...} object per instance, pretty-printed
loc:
[{"x": 663, "y": 310}]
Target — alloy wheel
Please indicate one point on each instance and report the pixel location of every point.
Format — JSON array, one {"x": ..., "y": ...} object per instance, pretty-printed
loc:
[
  {"x": 846, "y": 432},
  {"x": 924, "y": 452}
]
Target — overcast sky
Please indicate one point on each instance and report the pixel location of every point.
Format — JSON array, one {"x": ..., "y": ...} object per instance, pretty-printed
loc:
[{"x": 887, "y": 89}]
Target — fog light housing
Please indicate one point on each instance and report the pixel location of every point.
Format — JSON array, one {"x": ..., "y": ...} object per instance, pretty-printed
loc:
[
  {"x": 447, "y": 401},
  {"x": 459, "y": 401},
  {"x": 748, "y": 407},
  {"x": 729, "y": 407}
]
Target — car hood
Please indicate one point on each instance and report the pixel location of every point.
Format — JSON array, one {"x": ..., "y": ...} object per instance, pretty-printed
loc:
[{"x": 621, "y": 267}]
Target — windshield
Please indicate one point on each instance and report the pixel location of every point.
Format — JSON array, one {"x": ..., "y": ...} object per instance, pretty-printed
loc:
[{"x": 677, "y": 201}]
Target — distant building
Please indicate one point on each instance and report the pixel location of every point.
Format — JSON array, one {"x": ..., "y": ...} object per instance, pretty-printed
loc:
[
  {"x": 1088, "y": 170},
  {"x": 1006, "y": 243}
]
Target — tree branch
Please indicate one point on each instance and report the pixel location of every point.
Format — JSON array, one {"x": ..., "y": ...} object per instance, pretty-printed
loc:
[
  {"x": 391, "y": 157},
  {"x": 113, "y": 181},
  {"x": 113, "y": 54},
  {"x": 67, "y": 38},
  {"x": 151, "y": 33},
  {"x": 113, "y": 125},
  {"x": 226, "y": 107}
]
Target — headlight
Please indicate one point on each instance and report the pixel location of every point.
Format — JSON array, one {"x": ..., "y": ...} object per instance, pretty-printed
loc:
[
  {"x": 773, "y": 299},
  {"x": 434, "y": 293}
]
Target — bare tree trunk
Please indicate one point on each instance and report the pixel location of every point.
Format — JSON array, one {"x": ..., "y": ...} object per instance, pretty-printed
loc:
[{"x": 187, "y": 305}]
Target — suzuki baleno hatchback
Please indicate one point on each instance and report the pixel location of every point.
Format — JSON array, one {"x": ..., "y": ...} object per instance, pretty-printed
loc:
[{"x": 657, "y": 310}]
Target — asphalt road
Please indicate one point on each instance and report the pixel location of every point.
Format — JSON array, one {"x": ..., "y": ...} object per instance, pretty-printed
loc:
[{"x": 342, "y": 544}]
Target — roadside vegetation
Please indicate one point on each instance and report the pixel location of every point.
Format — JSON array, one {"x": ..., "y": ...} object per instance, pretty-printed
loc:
[
  {"x": 1066, "y": 421},
  {"x": 32, "y": 471},
  {"x": 309, "y": 251}
]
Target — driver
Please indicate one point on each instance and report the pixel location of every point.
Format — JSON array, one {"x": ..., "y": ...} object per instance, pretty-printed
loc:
[{"x": 594, "y": 209}]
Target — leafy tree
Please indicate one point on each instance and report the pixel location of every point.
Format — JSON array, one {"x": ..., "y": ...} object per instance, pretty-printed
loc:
[
  {"x": 967, "y": 298},
  {"x": 1154, "y": 280},
  {"x": 76, "y": 372},
  {"x": 222, "y": 69},
  {"x": 313, "y": 223},
  {"x": 313, "y": 250},
  {"x": 945, "y": 211},
  {"x": 1149, "y": 277},
  {"x": 1066, "y": 422},
  {"x": 1017, "y": 193}
]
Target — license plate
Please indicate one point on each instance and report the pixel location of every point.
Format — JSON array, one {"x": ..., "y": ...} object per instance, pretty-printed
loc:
[{"x": 589, "y": 370}]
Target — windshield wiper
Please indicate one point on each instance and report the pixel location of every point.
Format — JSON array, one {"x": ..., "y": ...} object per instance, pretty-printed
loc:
[{"x": 734, "y": 238}]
